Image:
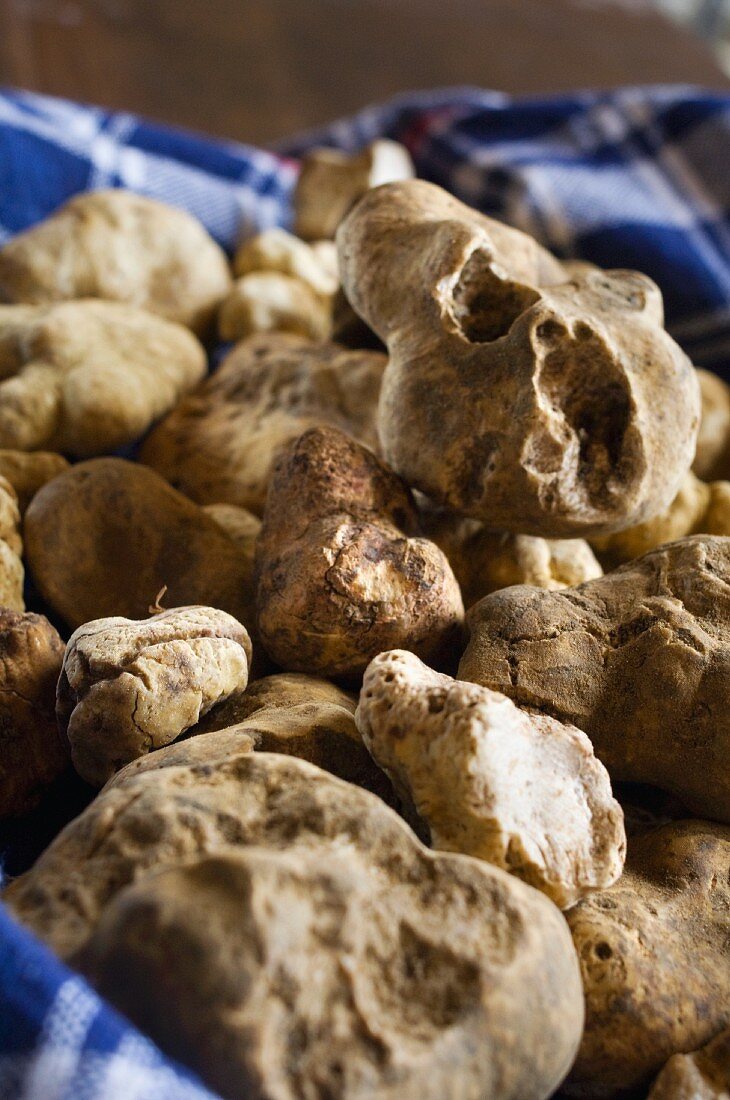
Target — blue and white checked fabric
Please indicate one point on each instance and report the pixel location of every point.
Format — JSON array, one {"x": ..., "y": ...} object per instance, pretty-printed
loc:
[{"x": 634, "y": 178}]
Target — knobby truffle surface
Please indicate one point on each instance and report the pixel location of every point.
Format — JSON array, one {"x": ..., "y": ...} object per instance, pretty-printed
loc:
[
  {"x": 522, "y": 791},
  {"x": 312, "y": 945},
  {"x": 89, "y": 377},
  {"x": 342, "y": 571},
  {"x": 639, "y": 659},
  {"x": 32, "y": 754},
  {"x": 120, "y": 247},
  {"x": 129, "y": 687},
  {"x": 540, "y": 401},
  {"x": 654, "y": 958},
  {"x": 219, "y": 444}
]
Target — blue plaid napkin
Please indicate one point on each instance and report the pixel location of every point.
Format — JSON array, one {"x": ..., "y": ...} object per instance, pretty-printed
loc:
[{"x": 634, "y": 178}]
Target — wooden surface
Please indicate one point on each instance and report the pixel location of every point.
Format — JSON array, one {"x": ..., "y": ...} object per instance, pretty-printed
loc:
[{"x": 257, "y": 70}]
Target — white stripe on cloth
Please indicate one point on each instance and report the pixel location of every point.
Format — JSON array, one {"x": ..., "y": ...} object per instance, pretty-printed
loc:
[{"x": 60, "y": 1041}]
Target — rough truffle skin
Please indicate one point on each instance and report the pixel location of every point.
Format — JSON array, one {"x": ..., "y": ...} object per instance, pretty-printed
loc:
[
  {"x": 342, "y": 572},
  {"x": 220, "y": 444},
  {"x": 639, "y": 659},
  {"x": 32, "y": 754},
  {"x": 653, "y": 951},
  {"x": 89, "y": 377},
  {"x": 281, "y": 690},
  {"x": 127, "y": 688},
  {"x": 540, "y": 402},
  {"x": 288, "y": 713},
  {"x": 701, "y": 1075},
  {"x": 521, "y": 791},
  {"x": 121, "y": 247},
  {"x": 12, "y": 573},
  {"x": 312, "y": 946},
  {"x": 29, "y": 471},
  {"x": 104, "y": 537},
  {"x": 484, "y": 560}
]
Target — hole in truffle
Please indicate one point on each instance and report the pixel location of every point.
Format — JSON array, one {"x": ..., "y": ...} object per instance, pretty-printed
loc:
[
  {"x": 436, "y": 704},
  {"x": 550, "y": 330},
  {"x": 586, "y": 387},
  {"x": 485, "y": 306}
]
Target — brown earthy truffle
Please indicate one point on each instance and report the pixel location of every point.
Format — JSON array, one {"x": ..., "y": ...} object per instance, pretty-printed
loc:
[
  {"x": 342, "y": 572},
  {"x": 31, "y": 752},
  {"x": 330, "y": 181},
  {"x": 221, "y": 442},
  {"x": 106, "y": 536},
  {"x": 289, "y": 713},
  {"x": 89, "y": 377},
  {"x": 702, "y": 1075},
  {"x": 312, "y": 946},
  {"x": 521, "y": 791},
  {"x": 541, "y": 404},
  {"x": 712, "y": 458},
  {"x": 127, "y": 688},
  {"x": 654, "y": 958},
  {"x": 485, "y": 561},
  {"x": 638, "y": 659},
  {"x": 698, "y": 508},
  {"x": 121, "y": 247},
  {"x": 28, "y": 471},
  {"x": 12, "y": 574},
  {"x": 242, "y": 528},
  {"x": 281, "y": 690}
]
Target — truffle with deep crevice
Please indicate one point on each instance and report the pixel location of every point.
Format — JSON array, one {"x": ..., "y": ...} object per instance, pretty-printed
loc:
[{"x": 539, "y": 401}]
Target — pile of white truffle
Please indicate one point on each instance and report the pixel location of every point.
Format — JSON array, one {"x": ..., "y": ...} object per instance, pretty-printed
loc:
[{"x": 346, "y": 839}]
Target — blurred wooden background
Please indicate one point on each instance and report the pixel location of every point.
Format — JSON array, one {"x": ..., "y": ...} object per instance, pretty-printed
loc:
[{"x": 257, "y": 70}]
